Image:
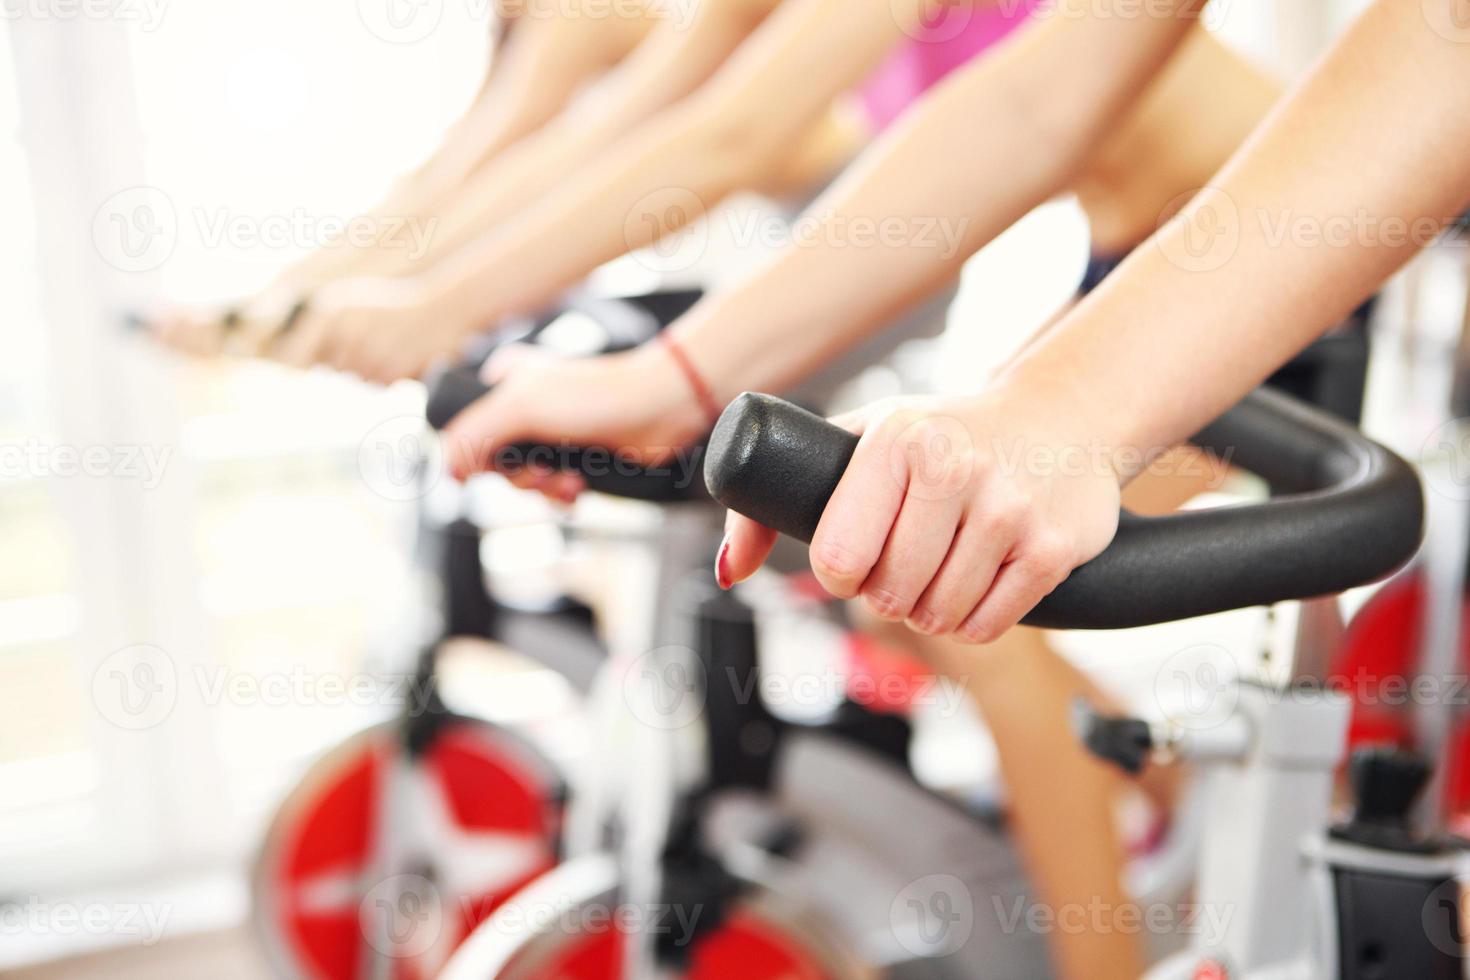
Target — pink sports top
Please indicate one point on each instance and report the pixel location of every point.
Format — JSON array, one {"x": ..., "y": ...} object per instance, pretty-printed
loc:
[{"x": 939, "y": 47}]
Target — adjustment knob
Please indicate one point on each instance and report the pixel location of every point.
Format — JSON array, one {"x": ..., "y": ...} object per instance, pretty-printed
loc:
[
  {"x": 1386, "y": 781},
  {"x": 1125, "y": 742}
]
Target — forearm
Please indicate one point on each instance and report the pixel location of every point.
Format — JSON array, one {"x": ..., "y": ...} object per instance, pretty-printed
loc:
[
  {"x": 1346, "y": 180},
  {"x": 730, "y": 133},
  {"x": 990, "y": 144},
  {"x": 542, "y": 63},
  {"x": 532, "y": 74},
  {"x": 668, "y": 66}
]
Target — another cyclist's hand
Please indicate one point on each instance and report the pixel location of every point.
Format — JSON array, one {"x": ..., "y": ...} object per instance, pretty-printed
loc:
[
  {"x": 956, "y": 515},
  {"x": 202, "y": 330},
  {"x": 379, "y": 329},
  {"x": 636, "y": 404}
]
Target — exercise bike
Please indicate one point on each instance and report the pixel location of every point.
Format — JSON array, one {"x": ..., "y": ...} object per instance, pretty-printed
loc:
[
  {"x": 437, "y": 812},
  {"x": 1305, "y": 898}
]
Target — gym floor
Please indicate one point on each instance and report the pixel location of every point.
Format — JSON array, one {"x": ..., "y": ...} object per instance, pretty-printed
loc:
[{"x": 228, "y": 955}]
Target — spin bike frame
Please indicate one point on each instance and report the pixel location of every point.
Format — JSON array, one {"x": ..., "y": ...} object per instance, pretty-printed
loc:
[{"x": 1304, "y": 902}]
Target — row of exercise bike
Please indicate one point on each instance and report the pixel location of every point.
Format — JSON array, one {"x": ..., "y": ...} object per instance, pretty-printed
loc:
[{"x": 725, "y": 839}]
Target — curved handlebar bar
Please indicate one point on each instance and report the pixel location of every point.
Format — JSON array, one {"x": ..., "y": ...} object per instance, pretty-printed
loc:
[
  {"x": 625, "y": 322},
  {"x": 1354, "y": 512},
  {"x": 605, "y": 471}
]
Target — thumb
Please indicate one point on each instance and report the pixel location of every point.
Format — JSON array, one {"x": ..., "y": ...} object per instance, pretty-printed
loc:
[
  {"x": 506, "y": 359},
  {"x": 746, "y": 547},
  {"x": 747, "y": 543},
  {"x": 478, "y": 432}
]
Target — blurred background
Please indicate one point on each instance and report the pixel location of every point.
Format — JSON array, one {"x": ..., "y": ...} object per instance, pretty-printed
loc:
[{"x": 246, "y": 519}]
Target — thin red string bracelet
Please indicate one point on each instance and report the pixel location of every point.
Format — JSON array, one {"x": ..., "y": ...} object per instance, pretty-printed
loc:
[{"x": 702, "y": 393}]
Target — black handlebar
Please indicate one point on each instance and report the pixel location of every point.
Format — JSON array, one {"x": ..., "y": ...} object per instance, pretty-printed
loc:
[
  {"x": 1354, "y": 512},
  {"x": 676, "y": 480},
  {"x": 623, "y": 322}
]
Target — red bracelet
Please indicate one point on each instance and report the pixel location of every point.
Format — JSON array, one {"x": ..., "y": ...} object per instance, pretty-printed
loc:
[{"x": 702, "y": 394}]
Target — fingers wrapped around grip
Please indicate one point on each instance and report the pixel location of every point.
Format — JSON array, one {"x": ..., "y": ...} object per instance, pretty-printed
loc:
[{"x": 1350, "y": 512}]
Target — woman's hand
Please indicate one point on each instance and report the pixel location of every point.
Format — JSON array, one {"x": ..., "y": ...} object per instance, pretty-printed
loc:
[
  {"x": 242, "y": 329},
  {"x": 637, "y": 404},
  {"x": 379, "y": 329},
  {"x": 956, "y": 515}
]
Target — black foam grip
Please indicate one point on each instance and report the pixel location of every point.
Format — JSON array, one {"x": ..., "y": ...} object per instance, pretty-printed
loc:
[
  {"x": 1355, "y": 512},
  {"x": 678, "y": 479}
]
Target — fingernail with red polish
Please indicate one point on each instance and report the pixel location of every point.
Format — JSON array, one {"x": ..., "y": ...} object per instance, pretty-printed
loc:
[{"x": 722, "y": 574}]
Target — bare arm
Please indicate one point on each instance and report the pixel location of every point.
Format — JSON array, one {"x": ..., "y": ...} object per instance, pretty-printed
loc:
[
  {"x": 999, "y": 138},
  {"x": 674, "y": 59},
  {"x": 537, "y": 66},
  {"x": 1363, "y": 166},
  {"x": 731, "y": 133},
  {"x": 1360, "y": 167},
  {"x": 980, "y": 151}
]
